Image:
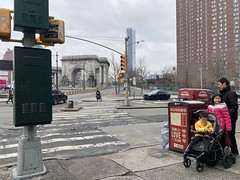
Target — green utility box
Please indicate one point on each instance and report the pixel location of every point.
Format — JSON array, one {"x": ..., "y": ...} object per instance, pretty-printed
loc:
[
  {"x": 31, "y": 16},
  {"x": 33, "y": 91}
]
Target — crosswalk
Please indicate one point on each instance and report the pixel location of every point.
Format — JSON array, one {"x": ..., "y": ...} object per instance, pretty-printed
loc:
[
  {"x": 150, "y": 102},
  {"x": 71, "y": 134}
]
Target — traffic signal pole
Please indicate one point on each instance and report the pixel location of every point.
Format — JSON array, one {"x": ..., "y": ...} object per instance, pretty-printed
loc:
[
  {"x": 29, "y": 165},
  {"x": 126, "y": 101}
]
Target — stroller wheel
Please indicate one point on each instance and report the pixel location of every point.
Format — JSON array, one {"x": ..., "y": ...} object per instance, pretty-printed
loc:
[
  {"x": 199, "y": 167},
  {"x": 233, "y": 158},
  {"x": 187, "y": 162},
  {"x": 227, "y": 161}
]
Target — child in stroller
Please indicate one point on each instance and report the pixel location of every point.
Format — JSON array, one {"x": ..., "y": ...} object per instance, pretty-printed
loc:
[{"x": 208, "y": 151}]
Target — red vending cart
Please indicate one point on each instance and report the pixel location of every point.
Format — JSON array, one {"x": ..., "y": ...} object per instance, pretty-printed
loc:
[{"x": 182, "y": 116}]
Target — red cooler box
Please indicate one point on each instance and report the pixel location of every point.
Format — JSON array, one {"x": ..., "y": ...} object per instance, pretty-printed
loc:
[{"x": 182, "y": 116}]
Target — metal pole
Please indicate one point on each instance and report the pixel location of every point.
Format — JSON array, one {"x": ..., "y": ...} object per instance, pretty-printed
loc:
[
  {"x": 84, "y": 76},
  {"x": 200, "y": 77},
  {"x": 29, "y": 146},
  {"x": 57, "y": 70},
  {"x": 126, "y": 101}
]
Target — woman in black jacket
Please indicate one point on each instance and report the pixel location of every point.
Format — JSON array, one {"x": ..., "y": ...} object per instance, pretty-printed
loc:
[{"x": 230, "y": 98}]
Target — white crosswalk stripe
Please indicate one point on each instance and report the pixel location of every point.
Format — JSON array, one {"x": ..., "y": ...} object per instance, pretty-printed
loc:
[
  {"x": 150, "y": 102},
  {"x": 70, "y": 133}
]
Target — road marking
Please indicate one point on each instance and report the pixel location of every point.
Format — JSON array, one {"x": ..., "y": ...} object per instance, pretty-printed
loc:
[
  {"x": 99, "y": 107},
  {"x": 64, "y": 148},
  {"x": 61, "y": 140},
  {"x": 77, "y": 139}
]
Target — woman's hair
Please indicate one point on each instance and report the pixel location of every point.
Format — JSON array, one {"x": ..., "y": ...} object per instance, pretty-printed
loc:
[
  {"x": 215, "y": 95},
  {"x": 224, "y": 80}
]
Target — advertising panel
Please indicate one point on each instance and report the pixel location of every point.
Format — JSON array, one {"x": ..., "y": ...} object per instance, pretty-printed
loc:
[
  {"x": 179, "y": 130},
  {"x": 3, "y": 83}
]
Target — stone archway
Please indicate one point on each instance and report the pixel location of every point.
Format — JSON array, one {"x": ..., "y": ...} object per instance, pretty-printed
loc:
[
  {"x": 91, "y": 81},
  {"x": 77, "y": 77},
  {"x": 85, "y": 70}
]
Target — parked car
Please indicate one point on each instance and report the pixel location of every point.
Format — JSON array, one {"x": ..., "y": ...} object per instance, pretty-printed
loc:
[
  {"x": 58, "y": 96},
  {"x": 157, "y": 95}
]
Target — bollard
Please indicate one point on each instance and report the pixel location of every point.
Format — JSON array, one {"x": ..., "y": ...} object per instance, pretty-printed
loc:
[{"x": 70, "y": 104}]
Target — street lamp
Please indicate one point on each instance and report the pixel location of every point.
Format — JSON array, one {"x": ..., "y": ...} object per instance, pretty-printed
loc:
[
  {"x": 126, "y": 101},
  {"x": 137, "y": 42},
  {"x": 84, "y": 82},
  {"x": 57, "y": 70},
  {"x": 200, "y": 69}
]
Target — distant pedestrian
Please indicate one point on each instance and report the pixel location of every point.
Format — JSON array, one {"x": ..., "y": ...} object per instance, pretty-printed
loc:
[
  {"x": 10, "y": 96},
  {"x": 230, "y": 98},
  {"x": 98, "y": 95}
]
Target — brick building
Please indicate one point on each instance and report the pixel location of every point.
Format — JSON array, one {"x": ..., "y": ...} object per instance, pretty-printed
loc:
[
  {"x": 208, "y": 41},
  {"x": 7, "y": 74}
]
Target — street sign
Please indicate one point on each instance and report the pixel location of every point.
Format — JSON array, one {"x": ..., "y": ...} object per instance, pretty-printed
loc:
[
  {"x": 134, "y": 81},
  {"x": 33, "y": 91},
  {"x": 31, "y": 15}
]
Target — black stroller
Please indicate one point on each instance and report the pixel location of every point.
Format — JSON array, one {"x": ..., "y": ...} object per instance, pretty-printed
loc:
[{"x": 216, "y": 151}]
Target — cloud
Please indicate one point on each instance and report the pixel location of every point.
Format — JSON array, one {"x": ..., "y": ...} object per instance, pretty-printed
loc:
[{"x": 106, "y": 21}]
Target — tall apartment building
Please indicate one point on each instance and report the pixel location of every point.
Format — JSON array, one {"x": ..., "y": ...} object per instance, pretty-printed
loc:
[
  {"x": 208, "y": 41},
  {"x": 131, "y": 49}
]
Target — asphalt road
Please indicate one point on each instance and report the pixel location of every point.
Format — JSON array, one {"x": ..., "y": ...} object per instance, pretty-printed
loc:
[{"x": 76, "y": 134}]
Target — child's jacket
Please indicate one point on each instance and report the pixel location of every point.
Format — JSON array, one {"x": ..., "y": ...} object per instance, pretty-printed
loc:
[{"x": 222, "y": 113}]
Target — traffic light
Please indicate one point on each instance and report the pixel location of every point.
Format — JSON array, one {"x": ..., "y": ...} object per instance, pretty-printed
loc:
[
  {"x": 123, "y": 62},
  {"x": 119, "y": 75},
  {"x": 5, "y": 23},
  {"x": 56, "y": 32}
]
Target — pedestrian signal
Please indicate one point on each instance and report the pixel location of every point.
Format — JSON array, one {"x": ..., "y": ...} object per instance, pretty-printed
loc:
[
  {"x": 5, "y": 23},
  {"x": 119, "y": 75},
  {"x": 55, "y": 34}
]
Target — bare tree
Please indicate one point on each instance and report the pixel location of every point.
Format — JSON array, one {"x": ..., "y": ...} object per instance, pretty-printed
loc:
[
  {"x": 114, "y": 69},
  {"x": 218, "y": 67},
  {"x": 141, "y": 73},
  {"x": 169, "y": 76},
  {"x": 189, "y": 76},
  {"x": 225, "y": 64}
]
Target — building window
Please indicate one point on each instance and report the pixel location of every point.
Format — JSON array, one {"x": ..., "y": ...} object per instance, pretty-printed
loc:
[{"x": 236, "y": 18}]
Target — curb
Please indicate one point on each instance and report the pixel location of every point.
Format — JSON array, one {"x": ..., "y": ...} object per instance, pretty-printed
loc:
[
  {"x": 139, "y": 107},
  {"x": 71, "y": 109}
]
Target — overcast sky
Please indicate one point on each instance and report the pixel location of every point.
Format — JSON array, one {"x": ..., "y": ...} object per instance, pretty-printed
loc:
[{"x": 106, "y": 21}]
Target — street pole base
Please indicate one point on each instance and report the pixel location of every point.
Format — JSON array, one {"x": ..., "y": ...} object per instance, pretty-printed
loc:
[
  {"x": 126, "y": 102},
  {"x": 29, "y": 159},
  {"x": 14, "y": 175}
]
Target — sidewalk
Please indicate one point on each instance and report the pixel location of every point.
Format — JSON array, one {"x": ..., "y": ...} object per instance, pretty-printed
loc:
[{"x": 144, "y": 160}]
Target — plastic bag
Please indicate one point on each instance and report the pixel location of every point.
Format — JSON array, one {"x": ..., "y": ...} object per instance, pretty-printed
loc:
[{"x": 165, "y": 136}]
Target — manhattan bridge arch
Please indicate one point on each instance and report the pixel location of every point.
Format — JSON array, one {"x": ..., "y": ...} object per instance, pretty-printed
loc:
[{"x": 85, "y": 71}]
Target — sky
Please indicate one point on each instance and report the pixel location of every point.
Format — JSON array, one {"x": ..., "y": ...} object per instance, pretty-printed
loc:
[{"x": 105, "y": 22}]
